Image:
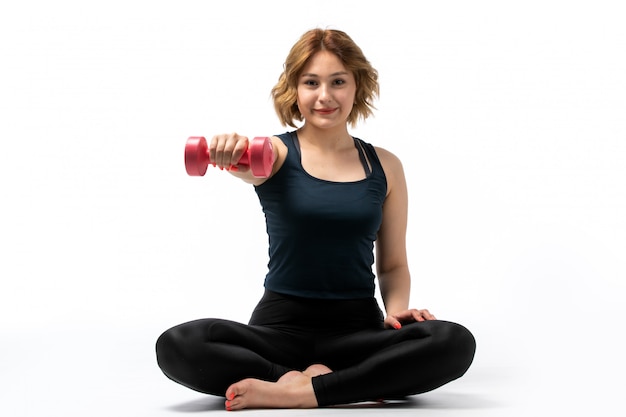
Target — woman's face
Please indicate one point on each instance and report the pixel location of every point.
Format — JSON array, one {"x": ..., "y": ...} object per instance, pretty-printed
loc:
[{"x": 326, "y": 91}]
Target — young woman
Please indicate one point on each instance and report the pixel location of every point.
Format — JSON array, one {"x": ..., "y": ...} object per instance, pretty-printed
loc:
[{"x": 318, "y": 337}]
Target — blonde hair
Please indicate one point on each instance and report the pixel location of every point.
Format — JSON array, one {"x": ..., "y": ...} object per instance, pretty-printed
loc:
[{"x": 285, "y": 92}]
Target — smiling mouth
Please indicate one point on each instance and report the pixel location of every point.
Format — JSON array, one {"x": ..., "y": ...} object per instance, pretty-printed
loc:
[{"x": 325, "y": 111}]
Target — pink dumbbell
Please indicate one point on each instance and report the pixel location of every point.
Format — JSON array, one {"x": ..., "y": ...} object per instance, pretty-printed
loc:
[{"x": 259, "y": 156}]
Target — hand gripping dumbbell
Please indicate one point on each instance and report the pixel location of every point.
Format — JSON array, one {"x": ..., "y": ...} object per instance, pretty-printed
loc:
[{"x": 259, "y": 156}]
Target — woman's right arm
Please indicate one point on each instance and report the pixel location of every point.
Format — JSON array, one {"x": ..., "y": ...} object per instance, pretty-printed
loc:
[{"x": 226, "y": 150}]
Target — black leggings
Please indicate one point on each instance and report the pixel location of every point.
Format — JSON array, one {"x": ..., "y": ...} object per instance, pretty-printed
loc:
[{"x": 288, "y": 333}]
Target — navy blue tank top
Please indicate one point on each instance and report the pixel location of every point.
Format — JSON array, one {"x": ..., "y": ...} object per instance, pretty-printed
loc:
[{"x": 322, "y": 233}]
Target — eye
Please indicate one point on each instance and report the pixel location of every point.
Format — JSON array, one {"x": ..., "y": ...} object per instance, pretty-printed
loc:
[
  {"x": 339, "y": 81},
  {"x": 310, "y": 82}
]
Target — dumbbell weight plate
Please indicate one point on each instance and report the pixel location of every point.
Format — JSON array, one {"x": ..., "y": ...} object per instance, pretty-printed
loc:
[
  {"x": 196, "y": 156},
  {"x": 261, "y": 156}
]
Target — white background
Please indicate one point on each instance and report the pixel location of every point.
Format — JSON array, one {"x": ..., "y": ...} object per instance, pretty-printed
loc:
[{"x": 509, "y": 118}]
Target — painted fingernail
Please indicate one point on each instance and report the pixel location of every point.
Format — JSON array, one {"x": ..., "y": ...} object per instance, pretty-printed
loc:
[
  {"x": 233, "y": 168},
  {"x": 397, "y": 326}
]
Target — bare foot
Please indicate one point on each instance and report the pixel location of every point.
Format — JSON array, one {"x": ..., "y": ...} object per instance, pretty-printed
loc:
[
  {"x": 292, "y": 390},
  {"x": 316, "y": 370}
]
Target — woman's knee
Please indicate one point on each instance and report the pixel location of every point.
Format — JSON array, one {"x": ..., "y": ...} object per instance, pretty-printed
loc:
[
  {"x": 461, "y": 345},
  {"x": 167, "y": 349},
  {"x": 174, "y": 344},
  {"x": 185, "y": 342}
]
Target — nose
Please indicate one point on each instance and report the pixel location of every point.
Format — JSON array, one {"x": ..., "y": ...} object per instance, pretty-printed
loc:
[{"x": 324, "y": 93}]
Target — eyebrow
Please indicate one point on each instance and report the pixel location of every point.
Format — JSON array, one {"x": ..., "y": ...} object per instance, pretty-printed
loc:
[{"x": 309, "y": 74}]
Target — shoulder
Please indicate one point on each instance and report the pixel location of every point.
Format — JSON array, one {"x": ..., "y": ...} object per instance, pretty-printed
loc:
[
  {"x": 390, "y": 162},
  {"x": 392, "y": 166},
  {"x": 386, "y": 156}
]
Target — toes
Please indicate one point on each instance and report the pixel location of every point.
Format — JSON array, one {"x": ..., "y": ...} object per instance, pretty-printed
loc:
[
  {"x": 234, "y": 396},
  {"x": 232, "y": 405},
  {"x": 233, "y": 391}
]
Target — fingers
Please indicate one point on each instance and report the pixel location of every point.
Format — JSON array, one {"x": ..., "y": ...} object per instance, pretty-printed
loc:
[
  {"x": 392, "y": 323},
  {"x": 428, "y": 316},
  {"x": 414, "y": 315},
  {"x": 225, "y": 150},
  {"x": 422, "y": 315}
]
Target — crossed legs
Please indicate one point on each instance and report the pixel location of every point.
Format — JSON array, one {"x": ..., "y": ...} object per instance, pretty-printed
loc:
[{"x": 260, "y": 367}]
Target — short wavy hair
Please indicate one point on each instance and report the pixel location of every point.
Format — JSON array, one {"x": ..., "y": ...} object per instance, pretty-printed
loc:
[{"x": 285, "y": 92}]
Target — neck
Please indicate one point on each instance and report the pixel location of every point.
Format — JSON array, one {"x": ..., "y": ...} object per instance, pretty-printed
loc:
[{"x": 330, "y": 139}]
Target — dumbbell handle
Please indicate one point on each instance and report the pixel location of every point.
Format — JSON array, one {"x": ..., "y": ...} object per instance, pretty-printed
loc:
[{"x": 259, "y": 156}]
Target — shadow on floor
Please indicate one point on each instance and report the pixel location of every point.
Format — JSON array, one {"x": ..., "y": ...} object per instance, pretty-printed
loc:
[{"x": 438, "y": 401}]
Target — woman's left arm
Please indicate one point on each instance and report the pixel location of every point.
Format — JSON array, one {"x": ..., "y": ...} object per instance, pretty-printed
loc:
[{"x": 391, "y": 257}]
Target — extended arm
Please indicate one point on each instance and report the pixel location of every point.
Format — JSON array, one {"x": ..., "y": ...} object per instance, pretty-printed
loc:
[{"x": 226, "y": 150}]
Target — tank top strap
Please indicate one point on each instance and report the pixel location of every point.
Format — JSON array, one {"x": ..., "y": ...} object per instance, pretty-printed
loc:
[
  {"x": 363, "y": 158},
  {"x": 371, "y": 157}
]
